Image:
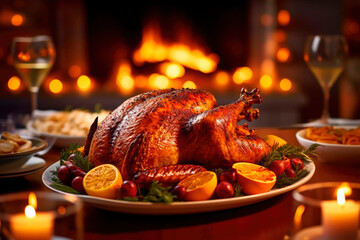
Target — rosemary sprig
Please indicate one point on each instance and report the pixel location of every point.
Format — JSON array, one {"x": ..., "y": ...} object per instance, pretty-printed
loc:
[
  {"x": 283, "y": 180},
  {"x": 290, "y": 151},
  {"x": 159, "y": 194}
]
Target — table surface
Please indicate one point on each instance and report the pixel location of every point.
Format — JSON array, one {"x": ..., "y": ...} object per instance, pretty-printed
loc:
[{"x": 270, "y": 219}]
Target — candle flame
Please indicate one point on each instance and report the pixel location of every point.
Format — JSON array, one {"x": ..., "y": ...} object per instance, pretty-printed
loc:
[
  {"x": 341, "y": 196},
  {"x": 346, "y": 188},
  {"x": 32, "y": 200},
  {"x": 298, "y": 216},
  {"x": 30, "y": 211}
]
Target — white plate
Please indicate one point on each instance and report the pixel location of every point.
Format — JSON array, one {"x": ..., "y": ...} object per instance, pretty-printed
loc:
[
  {"x": 37, "y": 143},
  {"x": 18, "y": 168},
  {"x": 329, "y": 152},
  {"x": 178, "y": 207}
]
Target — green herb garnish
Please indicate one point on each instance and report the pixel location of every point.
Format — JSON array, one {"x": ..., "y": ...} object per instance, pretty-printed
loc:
[{"x": 159, "y": 194}]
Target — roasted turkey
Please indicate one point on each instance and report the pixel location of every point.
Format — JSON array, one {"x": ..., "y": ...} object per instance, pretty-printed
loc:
[{"x": 172, "y": 126}]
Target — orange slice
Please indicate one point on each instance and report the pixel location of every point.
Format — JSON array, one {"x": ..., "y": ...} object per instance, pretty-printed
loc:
[
  {"x": 271, "y": 140},
  {"x": 253, "y": 178},
  {"x": 200, "y": 186},
  {"x": 103, "y": 181}
]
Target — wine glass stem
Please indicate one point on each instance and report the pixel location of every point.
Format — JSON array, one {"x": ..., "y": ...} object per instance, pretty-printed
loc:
[
  {"x": 34, "y": 102},
  {"x": 325, "y": 114}
]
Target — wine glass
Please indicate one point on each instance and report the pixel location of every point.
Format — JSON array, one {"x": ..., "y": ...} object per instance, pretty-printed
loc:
[
  {"x": 325, "y": 56},
  {"x": 33, "y": 57}
]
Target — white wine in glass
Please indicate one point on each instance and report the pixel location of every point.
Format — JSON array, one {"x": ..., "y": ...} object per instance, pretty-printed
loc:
[
  {"x": 33, "y": 58},
  {"x": 325, "y": 56}
]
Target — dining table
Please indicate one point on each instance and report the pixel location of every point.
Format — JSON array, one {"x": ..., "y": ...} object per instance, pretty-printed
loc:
[{"x": 270, "y": 219}]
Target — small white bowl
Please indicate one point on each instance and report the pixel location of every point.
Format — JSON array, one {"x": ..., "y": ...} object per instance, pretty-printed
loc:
[{"x": 332, "y": 153}]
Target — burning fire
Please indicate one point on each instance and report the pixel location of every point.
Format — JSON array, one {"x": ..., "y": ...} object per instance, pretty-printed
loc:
[{"x": 153, "y": 49}]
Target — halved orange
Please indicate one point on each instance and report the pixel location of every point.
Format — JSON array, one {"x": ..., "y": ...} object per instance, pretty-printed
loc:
[
  {"x": 103, "y": 181},
  {"x": 253, "y": 178},
  {"x": 200, "y": 186},
  {"x": 271, "y": 140}
]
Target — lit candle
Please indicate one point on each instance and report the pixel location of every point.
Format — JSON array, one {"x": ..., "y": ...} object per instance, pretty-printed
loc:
[
  {"x": 340, "y": 219},
  {"x": 32, "y": 224}
]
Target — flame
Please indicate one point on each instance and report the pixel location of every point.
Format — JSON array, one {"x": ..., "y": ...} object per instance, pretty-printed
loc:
[
  {"x": 283, "y": 54},
  {"x": 30, "y": 211},
  {"x": 298, "y": 216},
  {"x": 32, "y": 200},
  {"x": 24, "y": 56},
  {"x": 153, "y": 49},
  {"x": 158, "y": 81},
  {"x": 189, "y": 84},
  {"x": 346, "y": 188},
  {"x": 172, "y": 70},
  {"x": 222, "y": 78},
  {"x": 242, "y": 74},
  {"x": 341, "y": 197}
]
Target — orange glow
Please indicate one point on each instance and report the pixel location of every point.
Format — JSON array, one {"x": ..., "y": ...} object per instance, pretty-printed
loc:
[
  {"x": 266, "y": 19},
  {"x": 74, "y": 71},
  {"x": 242, "y": 74},
  {"x": 285, "y": 84},
  {"x": 346, "y": 188},
  {"x": 24, "y": 56},
  {"x": 189, "y": 84},
  {"x": 84, "y": 83},
  {"x": 283, "y": 54},
  {"x": 283, "y": 17},
  {"x": 158, "y": 81},
  {"x": 298, "y": 216},
  {"x": 266, "y": 81},
  {"x": 280, "y": 36},
  {"x": 222, "y": 78},
  {"x": 153, "y": 49},
  {"x": 32, "y": 200},
  {"x": 172, "y": 70},
  {"x": 267, "y": 66},
  {"x": 125, "y": 82},
  {"x": 14, "y": 83},
  {"x": 56, "y": 86},
  {"x": 17, "y": 20}
]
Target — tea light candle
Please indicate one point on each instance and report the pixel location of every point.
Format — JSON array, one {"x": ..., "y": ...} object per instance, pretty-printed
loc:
[
  {"x": 340, "y": 219},
  {"x": 32, "y": 225}
]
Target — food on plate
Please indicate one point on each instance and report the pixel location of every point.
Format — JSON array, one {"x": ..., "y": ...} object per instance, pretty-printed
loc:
[
  {"x": 71, "y": 123},
  {"x": 330, "y": 134},
  {"x": 273, "y": 139},
  {"x": 103, "y": 181},
  {"x": 13, "y": 143},
  {"x": 166, "y": 176},
  {"x": 200, "y": 186},
  {"x": 178, "y": 145},
  {"x": 167, "y": 127},
  {"x": 224, "y": 190},
  {"x": 253, "y": 178}
]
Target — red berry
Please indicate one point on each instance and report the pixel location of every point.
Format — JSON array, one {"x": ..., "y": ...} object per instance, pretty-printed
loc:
[
  {"x": 297, "y": 163},
  {"x": 127, "y": 189},
  {"x": 229, "y": 175},
  {"x": 179, "y": 191},
  {"x": 277, "y": 167},
  {"x": 77, "y": 184},
  {"x": 224, "y": 190},
  {"x": 290, "y": 172},
  {"x": 64, "y": 175}
]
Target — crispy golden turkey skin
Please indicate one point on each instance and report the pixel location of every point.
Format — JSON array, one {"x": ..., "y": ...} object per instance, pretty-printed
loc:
[{"x": 177, "y": 126}]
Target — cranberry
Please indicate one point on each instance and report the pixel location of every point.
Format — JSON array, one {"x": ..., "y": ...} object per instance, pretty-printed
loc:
[
  {"x": 224, "y": 190},
  {"x": 290, "y": 172},
  {"x": 277, "y": 167},
  {"x": 64, "y": 175},
  {"x": 229, "y": 175},
  {"x": 297, "y": 163},
  {"x": 127, "y": 189},
  {"x": 77, "y": 184},
  {"x": 179, "y": 191}
]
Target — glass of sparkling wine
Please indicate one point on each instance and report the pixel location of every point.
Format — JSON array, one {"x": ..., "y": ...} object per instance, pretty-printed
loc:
[
  {"x": 33, "y": 57},
  {"x": 325, "y": 56}
]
